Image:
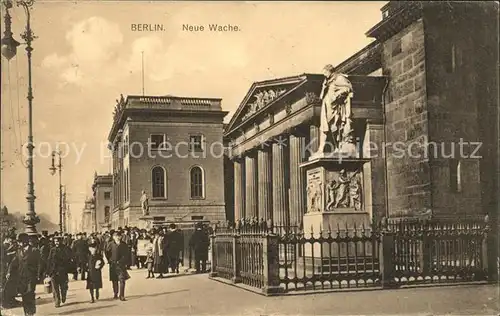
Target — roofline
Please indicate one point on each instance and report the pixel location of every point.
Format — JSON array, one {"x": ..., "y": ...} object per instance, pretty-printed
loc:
[
  {"x": 167, "y": 110},
  {"x": 300, "y": 77},
  {"x": 172, "y": 97}
]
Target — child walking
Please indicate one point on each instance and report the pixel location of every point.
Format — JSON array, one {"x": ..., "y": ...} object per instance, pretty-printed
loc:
[
  {"x": 150, "y": 260},
  {"x": 94, "y": 279}
]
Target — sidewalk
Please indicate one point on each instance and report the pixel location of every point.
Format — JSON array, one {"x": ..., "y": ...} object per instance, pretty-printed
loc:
[{"x": 197, "y": 295}]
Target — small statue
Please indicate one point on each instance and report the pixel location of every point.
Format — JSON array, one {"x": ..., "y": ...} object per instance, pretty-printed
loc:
[
  {"x": 355, "y": 193},
  {"x": 144, "y": 203},
  {"x": 332, "y": 192}
]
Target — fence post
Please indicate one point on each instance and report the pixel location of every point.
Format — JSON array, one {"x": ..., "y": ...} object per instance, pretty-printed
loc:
[
  {"x": 489, "y": 252},
  {"x": 236, "y": 258},
  {"x": 213, "y": 262},
  {"x": 271, "y": 265},
  {"x": 386, "y": 254}
]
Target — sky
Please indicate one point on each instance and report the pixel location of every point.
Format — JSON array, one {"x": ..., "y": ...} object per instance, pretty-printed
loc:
[{"x": 87, "y": 54}]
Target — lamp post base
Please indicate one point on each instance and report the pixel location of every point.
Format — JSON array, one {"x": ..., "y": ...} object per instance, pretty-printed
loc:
[{"x": 30, "y": 221}]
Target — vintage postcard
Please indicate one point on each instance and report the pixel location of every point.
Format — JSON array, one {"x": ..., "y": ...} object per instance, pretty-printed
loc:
[{"x": 249, "y": 158}]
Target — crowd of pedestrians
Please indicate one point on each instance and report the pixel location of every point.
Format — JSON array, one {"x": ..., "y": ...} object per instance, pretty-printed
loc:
[{"x": 51, "y": 259}]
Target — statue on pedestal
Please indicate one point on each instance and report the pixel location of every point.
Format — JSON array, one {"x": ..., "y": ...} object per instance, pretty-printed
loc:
[
  {"x": 144, "y": 203},
  {"x": 336, "y": 115}
]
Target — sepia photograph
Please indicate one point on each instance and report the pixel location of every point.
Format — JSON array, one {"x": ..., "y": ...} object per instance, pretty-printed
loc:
[{"x": 249, "y": 158}]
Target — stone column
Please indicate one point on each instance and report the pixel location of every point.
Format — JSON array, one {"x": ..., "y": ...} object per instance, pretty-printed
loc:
[
  {"x": 297, "y": 182},
  {"x": 239, "y": 190},
  {"x": 251, "y": 186},
  {"x": 280, "y": 202},
  {"x": 313, "y": 139},
  {"x": 265, "y": 183}
]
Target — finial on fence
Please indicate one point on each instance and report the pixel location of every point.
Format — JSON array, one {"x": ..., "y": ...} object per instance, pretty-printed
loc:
[
  {"x": 329, "y": 229},
  {"x": 312, "y": 231}
]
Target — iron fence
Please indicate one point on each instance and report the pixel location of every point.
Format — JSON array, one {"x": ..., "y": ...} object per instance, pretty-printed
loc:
[
  {"x": 432, "y": 251},
  {"x": 276, "y": 259},
  {"x": 332, "y": 259}
]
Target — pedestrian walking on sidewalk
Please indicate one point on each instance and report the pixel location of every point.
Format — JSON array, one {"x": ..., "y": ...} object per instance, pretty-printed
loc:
[
  {"x": 94, "y": 278},
  {"x": 24, "y": 269},
  {"x": 117, "y": 253},
  {"x": 200, "y": 243},
  {"x": 58, "y": 266},
  {"x": 150, "y": 260}
]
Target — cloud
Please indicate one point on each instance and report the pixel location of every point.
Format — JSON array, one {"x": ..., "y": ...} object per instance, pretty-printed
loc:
[
  {"x": 100, "y": 55},
  {"x": 95, "y": 43}
]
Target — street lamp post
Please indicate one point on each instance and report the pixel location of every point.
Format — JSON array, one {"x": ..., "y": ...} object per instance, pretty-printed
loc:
[
  {"x": 53, "y": 170},
  {"x": 9, "y": 49}
]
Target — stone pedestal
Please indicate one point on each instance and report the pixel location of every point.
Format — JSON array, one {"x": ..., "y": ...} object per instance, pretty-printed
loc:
[
  {"x": 341, "y": 220},
  {"x": 336, "y": 202},
  {"x": 146, "y": 222}
]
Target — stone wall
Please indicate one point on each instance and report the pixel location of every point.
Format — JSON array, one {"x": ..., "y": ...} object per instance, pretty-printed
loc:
[
  {"x": 408, "y": 172},
  {"x": 462, "y": 88},
  {"x": 178, "y": 170}
]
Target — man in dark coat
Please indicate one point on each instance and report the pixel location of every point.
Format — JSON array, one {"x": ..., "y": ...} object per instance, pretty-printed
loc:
[
  {"x": 58, "y": 266},
  {"x": 117, "y": 254},
  {"x": 9, "y": 285},
  {"x": 127, "y": 240},
  {"x": 44, "y": 246},
  {"x": 174, "y": 244},
  {"x": 80, "y": 252},
  {"x": 200, "y": 242},
  {"x": 24, "y": 267}
]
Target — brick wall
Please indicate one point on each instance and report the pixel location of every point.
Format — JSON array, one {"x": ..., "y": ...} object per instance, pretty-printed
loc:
[{"x": 408, "y": 174}]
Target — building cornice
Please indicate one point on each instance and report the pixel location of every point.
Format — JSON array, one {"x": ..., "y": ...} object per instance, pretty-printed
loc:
[
  {"x": 401, "y": 15},
  {"x": 171, "y": 105}
]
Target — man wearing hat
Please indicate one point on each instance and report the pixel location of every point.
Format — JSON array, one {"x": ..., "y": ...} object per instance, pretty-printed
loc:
[
  {"x": 24, "y": 268},
  {"x": 81, "y": 252},
  {"x": 117, "y": 254},
  {"x": 200, "y": 242},
  {"x": 174, "y": 243},
  {"x": 58, "y": 266},
  {"x": 44, "y": 246}
]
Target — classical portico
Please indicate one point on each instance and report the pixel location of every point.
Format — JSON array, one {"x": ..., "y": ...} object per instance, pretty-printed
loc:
[{"x": 276, "y": 130}]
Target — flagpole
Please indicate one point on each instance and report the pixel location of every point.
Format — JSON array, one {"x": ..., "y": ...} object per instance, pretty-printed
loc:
[{"x": 142, "y": 53}]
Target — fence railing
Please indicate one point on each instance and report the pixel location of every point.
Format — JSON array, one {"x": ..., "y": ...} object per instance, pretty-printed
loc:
[{"x": 387, "y": 255}]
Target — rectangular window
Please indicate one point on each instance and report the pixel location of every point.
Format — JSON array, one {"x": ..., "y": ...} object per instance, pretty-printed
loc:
[
  {"x": 107, "y": 195},
  {"x": 157, "y": 141},
  {"x": 196, "y": 218},
  {"x": 396, "y": 48},
  {"x": 196, "y": 143}
]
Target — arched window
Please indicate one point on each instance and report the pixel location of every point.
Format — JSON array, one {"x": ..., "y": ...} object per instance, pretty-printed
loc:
[
  {"x": 106, "y": 214},
  {"x": 158, "y": 180},
  {"x": 197, "y": 183}
]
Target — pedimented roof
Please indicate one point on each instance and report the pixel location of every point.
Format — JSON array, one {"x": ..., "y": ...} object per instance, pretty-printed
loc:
[{"x": 262, "y": 94}]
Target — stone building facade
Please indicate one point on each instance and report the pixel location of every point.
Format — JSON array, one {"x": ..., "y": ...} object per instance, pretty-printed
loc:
[
  {"x": 426, "y": 84},
  {"x": 171, "y": 148},
  {"x": 87, "y": 224},
  {"x": 102, "y": 189}
]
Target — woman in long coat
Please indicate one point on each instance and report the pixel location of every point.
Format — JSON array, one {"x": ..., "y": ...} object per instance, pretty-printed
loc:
[
  {"x": 95, "y": 264},
  {"x": 158, "y": 255}
]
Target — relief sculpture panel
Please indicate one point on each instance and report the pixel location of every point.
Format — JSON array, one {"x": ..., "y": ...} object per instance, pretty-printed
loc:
[
  {"x": 344, "y": 190},
  {"x": 315, "y": 190}
]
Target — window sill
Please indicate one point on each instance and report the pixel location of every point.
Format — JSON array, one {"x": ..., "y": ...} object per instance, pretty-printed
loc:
[
  {"x": 197, "y": 198},
  {"x": 158, "y": 198}
]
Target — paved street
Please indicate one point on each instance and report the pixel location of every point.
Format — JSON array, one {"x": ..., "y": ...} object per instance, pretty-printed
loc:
[{"x": 196, "y": 295}]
